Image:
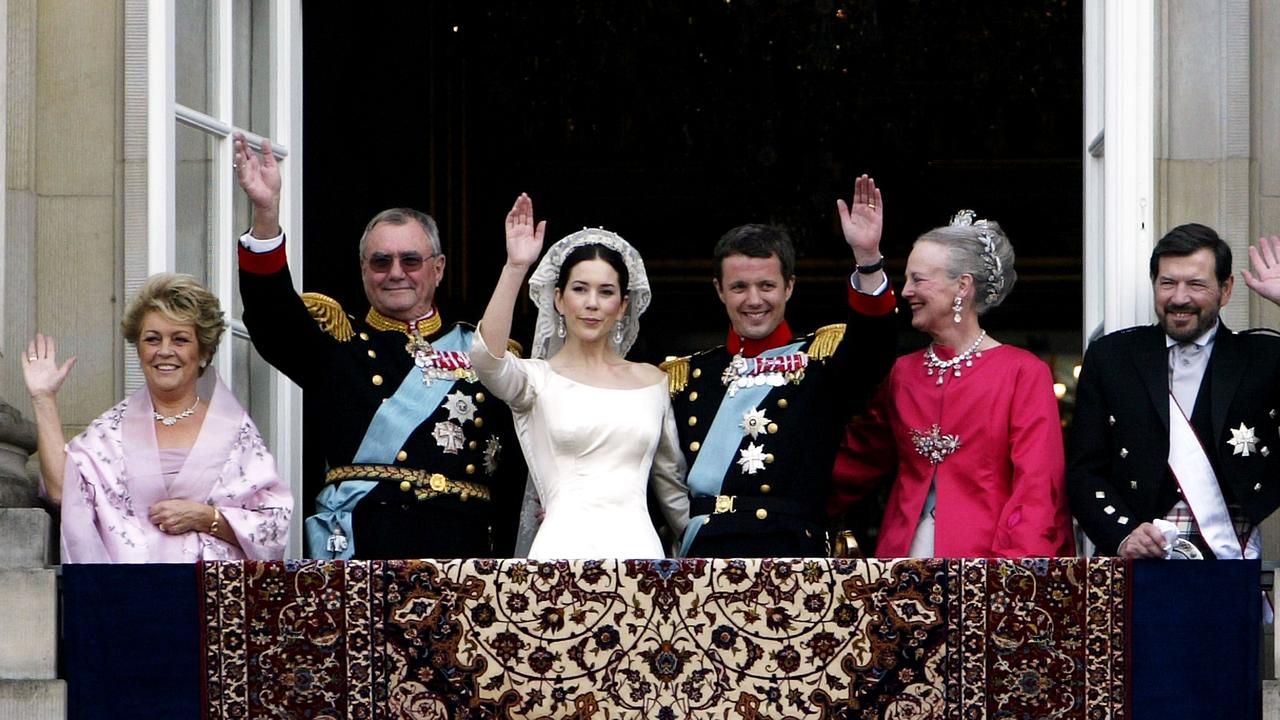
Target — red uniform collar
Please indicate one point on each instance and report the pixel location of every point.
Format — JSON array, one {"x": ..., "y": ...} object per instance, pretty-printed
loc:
[{"x": 780, "y": 336}]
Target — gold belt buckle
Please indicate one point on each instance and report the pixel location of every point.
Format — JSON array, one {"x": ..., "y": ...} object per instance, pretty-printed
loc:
[
  {"x": 724, "y": 504},
  {"x": 439, "y": 482}
]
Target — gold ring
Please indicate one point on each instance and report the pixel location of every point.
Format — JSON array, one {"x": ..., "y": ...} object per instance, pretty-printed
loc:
[
  {"x": 871, "y": 205},
  {"x": 32, "y": 358}
]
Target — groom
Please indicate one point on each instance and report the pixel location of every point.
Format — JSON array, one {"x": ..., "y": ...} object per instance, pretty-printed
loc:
[{"x": 760, "y": 416}]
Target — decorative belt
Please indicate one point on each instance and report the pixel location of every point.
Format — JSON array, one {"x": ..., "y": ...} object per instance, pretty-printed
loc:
[
  {"x": 424, "y": 485},
  {"x": 749, "y": 506}
]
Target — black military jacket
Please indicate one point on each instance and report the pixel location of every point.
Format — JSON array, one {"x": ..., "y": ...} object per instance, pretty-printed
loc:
[
  {"x": 349, "y": 366},
  {"x": 1118, "y": 448},
  {"x": 780, "y": 509}
]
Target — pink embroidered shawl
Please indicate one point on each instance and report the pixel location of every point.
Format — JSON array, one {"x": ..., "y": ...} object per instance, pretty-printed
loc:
[{"x": 113, "y": 476}]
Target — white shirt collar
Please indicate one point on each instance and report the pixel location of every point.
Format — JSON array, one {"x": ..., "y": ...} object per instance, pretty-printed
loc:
[{"x": 1205, "y": 341}]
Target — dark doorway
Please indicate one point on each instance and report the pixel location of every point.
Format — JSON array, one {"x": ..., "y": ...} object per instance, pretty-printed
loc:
[{"x": 670, "y": 122}]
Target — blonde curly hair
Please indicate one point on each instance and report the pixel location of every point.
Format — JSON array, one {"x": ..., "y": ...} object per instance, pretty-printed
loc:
[{"x": 182, "y": 299}]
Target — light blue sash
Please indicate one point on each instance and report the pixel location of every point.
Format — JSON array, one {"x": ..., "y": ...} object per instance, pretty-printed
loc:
[
  {"x": 706, "y": 477},
  {"x": 413, "y": 402}
]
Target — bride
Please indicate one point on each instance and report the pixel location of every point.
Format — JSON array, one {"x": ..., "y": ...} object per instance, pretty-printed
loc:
[{"x": 595, "y": 428}]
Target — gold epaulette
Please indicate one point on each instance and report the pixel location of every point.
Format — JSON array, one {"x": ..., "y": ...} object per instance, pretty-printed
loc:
[
  {"x": 329, "y": 315},
  {"x": 677, "y": 370},
  {"x": 825, "y": 341},
  {"x": 515, "y": 348}
]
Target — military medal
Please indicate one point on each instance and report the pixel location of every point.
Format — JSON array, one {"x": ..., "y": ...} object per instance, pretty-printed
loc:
[
  {"x": 439, "y": 364},
  {"x": 1243, "y": 440},
  {"x": 449, "y": 436},
  {"x": 751, "y": 458},
  {"x": 492, "y": 451},
  {"x": 460, "y": 406},
  {"x": 775, "y": 370},
  {"x": 754, "y": 422}
]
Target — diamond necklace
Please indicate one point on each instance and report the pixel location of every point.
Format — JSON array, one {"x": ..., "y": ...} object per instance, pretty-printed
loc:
[
  {"x": 168, "y": 420},
  {"x": 931, "y": 361}
]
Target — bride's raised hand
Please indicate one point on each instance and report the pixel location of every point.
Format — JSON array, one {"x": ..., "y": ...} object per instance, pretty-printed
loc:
[{"x": 524, "y": 237}]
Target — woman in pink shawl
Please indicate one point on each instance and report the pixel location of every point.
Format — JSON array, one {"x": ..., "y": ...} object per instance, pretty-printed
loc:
[{"x": 177, "y": 472}]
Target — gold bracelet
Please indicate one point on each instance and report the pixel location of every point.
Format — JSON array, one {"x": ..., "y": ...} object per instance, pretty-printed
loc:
[{"x": 217, "y": 519}]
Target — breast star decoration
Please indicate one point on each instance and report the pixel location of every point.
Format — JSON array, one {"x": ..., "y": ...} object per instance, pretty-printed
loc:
[
  {"x": 753, "y": 422},
  {"x": 492, "y": 450},
  {"x": 1243, "y": 440},
  {"x": 449, "y": 436},
  {"x": 461, "y": 407},
  {"x": 751, "y": 458}
]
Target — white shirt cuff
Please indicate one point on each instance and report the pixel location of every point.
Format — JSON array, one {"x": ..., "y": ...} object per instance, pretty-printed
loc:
[
  {"x": 253, "y": 244},
  {"x": 884, "y": 285}
]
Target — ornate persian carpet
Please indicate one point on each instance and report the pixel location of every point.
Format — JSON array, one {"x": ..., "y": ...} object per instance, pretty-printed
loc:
[{"x": 666, "y": 639}]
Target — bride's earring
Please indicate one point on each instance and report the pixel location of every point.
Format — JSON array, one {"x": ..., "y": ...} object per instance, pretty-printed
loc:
[
  {"x": 617, "y": 332},
  {"x": 560, "y": 331}
]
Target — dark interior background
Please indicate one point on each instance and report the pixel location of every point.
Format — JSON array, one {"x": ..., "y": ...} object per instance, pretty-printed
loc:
[{"x": 671, "y": 121}]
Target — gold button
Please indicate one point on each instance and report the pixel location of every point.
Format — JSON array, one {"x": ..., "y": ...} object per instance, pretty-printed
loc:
[
  {"x": 402, "y": 456},
  {"x": 692, "y": 421},
  {"x": 479, "y": 422},
  {"x": 695, "y": 446},
  {"x": 479, "y": 397},
  {"x": 762, "y": 514},
  {"x": 768, "y": 459},
  {"x": 782, "y": 403},
  {"x": 773, "y": 428},
  {"x": 405, "y": 485},
  {"x": 377, "y": 379},
  {"x": 693, "y": 396},
  {"x": 471, "y": 469},
  {"x": 471, "y": 445},
  {"x": 697, "y": 372},
  {"x": 439, "y": 482},
  {"x": 765, "y": 489},
  {"x": 364, "y": 336},
  {"x": 373, "y": 354}
]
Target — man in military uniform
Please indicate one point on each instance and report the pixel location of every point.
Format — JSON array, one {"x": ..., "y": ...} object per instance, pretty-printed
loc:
[
  {"x": 760, "y": 417},
  {"x": 422, "y": 462},
  {"x": 1175, "y": 427}
]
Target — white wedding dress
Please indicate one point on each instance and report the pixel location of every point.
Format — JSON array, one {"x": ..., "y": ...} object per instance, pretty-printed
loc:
[{"x": 592, "y": 452}]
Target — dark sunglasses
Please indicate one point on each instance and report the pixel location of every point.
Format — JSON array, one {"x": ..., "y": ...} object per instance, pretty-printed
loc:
[{"x": 409, "y": 262}]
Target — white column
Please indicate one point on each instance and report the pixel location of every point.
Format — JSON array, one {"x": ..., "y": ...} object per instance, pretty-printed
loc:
[{"x": 1130, "y": 161}]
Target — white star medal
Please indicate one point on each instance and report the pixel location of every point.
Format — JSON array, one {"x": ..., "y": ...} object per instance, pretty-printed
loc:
[
  {"x": 752, "y": 458},
  {"x": 461, "y": 407},
  {"x": 753, "y": 422},
  {"x": 1243, "y": 440},
  {"x": 449, "y": 436}
]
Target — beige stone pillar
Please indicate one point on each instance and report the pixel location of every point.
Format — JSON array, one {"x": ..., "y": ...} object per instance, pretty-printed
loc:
[{"x": 1203, "y": 123}]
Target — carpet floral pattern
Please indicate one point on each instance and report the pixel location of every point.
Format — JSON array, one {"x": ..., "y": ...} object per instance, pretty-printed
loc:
[{"x": 572, "y": 640}]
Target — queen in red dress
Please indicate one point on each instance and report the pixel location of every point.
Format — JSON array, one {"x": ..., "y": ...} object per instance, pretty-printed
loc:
[{"x": 970, "y": 426}]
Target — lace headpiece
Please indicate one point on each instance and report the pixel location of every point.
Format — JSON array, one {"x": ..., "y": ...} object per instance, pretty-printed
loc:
[
  {"x": 990, "y": 260},
  {"x": 542, "y": 289}
]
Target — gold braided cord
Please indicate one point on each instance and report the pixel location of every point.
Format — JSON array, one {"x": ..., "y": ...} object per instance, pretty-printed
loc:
[
  {"x": 825, "y": 341},
  {"x": 515, "y": 348},
  {"x": 677, "y": 370},
  {"x": 328, "y": 315},
  {"x": 426, "y": 485},
  {"x": 427, "y": 327}
]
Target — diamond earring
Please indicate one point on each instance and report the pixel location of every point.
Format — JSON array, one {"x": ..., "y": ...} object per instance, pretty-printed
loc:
[
  {"x": 956, "y": 307},
  {"x": 560, "y": 331},
  {"x": 617, "y": 332}
]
